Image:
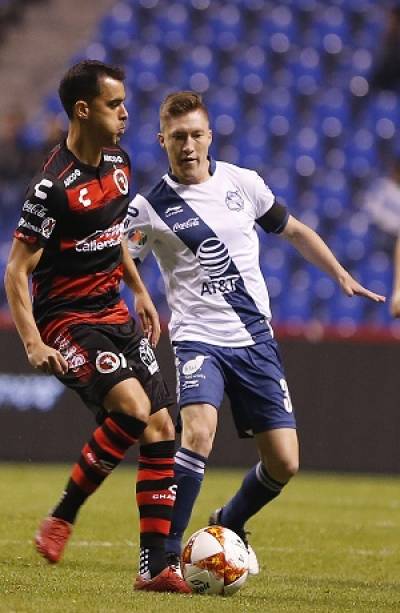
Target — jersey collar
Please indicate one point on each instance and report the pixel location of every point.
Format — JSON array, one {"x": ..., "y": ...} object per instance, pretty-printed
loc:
[{"x": 86, "y": 167}]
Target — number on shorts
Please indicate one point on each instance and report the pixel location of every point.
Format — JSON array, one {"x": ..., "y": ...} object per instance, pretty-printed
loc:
[{"x": 287, "y": 402}]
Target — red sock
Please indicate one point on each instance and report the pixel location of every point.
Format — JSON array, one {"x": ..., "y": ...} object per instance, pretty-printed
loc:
[
  {"x": 98, "y": 459},
  {"x": 155, "y": 495}
]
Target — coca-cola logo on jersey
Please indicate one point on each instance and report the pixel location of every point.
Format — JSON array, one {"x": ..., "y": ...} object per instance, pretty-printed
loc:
[
  {"x": 186, "y": 225},
  {"x": 101, "y": 239}
]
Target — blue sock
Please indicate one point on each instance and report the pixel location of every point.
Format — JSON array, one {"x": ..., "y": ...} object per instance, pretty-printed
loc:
[
  {"x": 257, "y": 489},
  {"x": 189, "y": 473}
]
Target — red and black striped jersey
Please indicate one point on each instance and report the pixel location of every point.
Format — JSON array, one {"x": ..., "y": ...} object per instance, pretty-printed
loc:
[{"x": 76, "y": 213}]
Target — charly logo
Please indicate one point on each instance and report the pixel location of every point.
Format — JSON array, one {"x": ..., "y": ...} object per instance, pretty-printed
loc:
[
  {"x": 192, "y": 366},
  {"x": 213, "y": 256},
  {"x": 121, "y": 181},
  {"x": 107, "y": 362},
  {"x": 234, "y": 200}
]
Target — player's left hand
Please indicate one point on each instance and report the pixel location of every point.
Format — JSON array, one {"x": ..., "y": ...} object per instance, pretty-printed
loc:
[
  {"x": 351, "y": 287},
  {"x": 148, "y": 316}
]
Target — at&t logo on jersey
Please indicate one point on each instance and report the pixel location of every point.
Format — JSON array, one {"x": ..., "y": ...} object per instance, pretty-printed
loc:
[
  {"x": 214, "y": 258},
  {"x": 224, "y": 285}
]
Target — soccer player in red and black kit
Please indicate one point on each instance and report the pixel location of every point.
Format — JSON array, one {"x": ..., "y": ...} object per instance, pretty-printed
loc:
[{"x": 69, "y": 240}]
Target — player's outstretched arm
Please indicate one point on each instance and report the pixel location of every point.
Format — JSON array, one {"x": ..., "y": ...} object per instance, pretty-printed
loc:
[
  {"x": 395, "y": 299},
  {"x": 144, "y": 306},
  {"x": 312, "y": 248},
  {"x": 22, "y": 262}
]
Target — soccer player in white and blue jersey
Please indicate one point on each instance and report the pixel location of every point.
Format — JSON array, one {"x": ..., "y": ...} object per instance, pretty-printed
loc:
[{"x": 200, "y": 220}]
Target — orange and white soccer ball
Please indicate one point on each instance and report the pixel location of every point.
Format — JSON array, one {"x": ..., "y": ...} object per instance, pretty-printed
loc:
[{"x": 215, "y": 561}]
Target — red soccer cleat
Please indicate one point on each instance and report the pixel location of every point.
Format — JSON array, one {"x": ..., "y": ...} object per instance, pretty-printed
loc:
[
  {"x": 166, "y": 581},
  {"x": 51, "y": 538}
]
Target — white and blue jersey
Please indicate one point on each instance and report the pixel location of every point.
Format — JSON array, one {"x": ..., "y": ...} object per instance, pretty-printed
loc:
[{"x": 204, "y": 239}]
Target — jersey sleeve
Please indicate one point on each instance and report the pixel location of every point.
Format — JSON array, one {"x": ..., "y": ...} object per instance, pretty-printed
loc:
[
  {"x": 41, "y": 211},
  {"x": 138, "y": 228},
  {"x": 271, "y": 215},
  {"x": 263, "y": 197}
]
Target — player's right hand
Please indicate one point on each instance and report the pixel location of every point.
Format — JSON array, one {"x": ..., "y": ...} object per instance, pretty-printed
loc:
[{"x": 47, "y": 359}]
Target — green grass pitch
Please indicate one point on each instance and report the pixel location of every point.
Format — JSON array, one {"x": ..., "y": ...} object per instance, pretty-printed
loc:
[{"x": 329, "y": 543}]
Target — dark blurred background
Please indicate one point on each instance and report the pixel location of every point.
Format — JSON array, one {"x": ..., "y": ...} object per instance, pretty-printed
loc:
[{"x": 306, "y": 92}]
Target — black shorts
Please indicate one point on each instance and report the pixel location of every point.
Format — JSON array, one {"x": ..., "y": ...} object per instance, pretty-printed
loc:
[{"x": 100, "y": 356}]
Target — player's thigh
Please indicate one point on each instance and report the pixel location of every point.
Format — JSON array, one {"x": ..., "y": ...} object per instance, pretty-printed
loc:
[
  {"x": 199, "y": 424},
  {"x": 98, "y": 370},
  {"x": 143, "y": 365},
  {"x": 257, "y": 389},
  {"x": 200, "y": 377},
  {"x": 279, "y": 452},
  {"x": 201, "y": 384},
  {"x": 128, "y": 397},
  {"x": 159, "y": 428}
]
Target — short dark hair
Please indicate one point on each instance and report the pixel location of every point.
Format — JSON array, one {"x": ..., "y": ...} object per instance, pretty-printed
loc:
[
  {"x": 81, "y": 82},
  {"x": 181, "y": 103}
]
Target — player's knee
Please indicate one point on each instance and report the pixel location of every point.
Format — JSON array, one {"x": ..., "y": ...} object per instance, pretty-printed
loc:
[
  {"x": 130, "y": 407},
  {"x": 290, "y": 468},
  {"x": 167, "y": 431},
  {"x": 128, "y": 397},
  {"x": 160, "y": 427},
  {"x": 199, "y": 440},
  {"x": 282, "y": 469}
]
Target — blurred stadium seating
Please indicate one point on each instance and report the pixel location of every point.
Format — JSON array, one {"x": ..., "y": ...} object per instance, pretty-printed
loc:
[{"x": 287, "y": 85}]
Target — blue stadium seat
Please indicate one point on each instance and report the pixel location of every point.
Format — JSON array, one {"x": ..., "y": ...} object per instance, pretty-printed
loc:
[
  {"x": 118, "y": 29},
  {"x": 226, "y": 23},
  {"x": 287, "y": 88},
  {"x": 346, "y": 311},
  {"x": 279, "y": 27}
]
